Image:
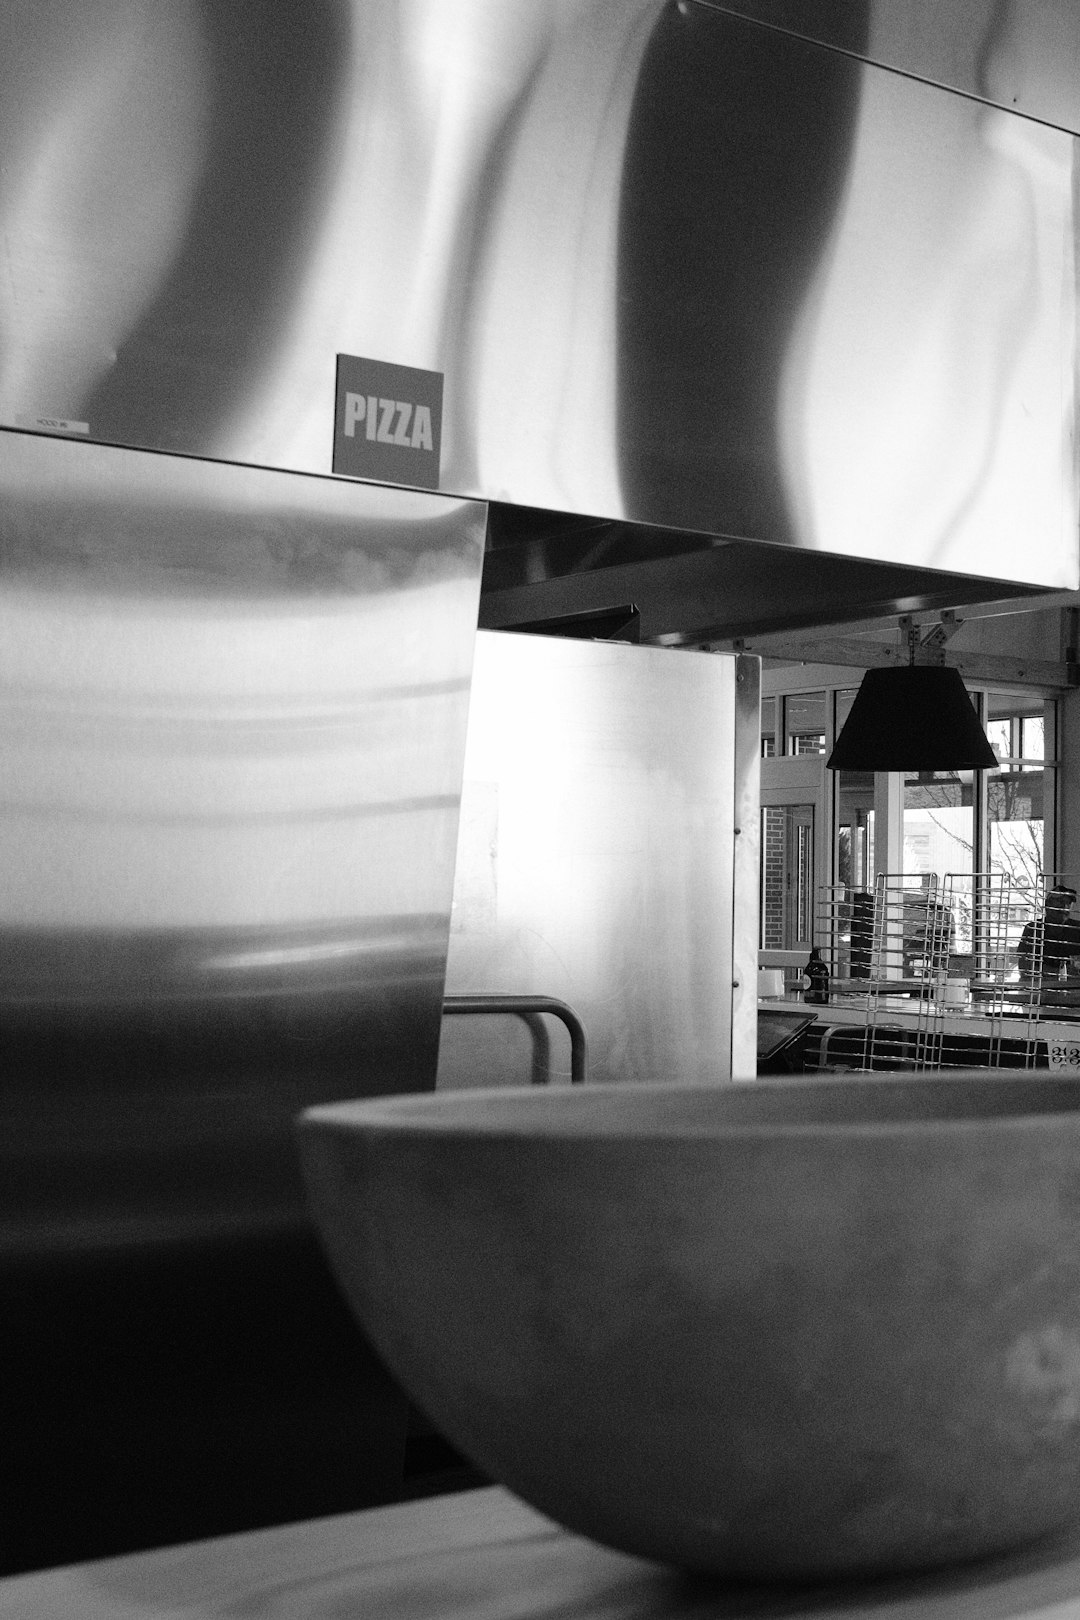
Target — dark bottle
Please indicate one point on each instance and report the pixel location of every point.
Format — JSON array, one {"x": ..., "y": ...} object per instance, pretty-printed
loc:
[{"x": 816, "y": 977}]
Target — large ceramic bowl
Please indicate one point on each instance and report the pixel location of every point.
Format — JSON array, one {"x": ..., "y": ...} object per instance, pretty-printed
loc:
[{"x": 781, "y": 1330}]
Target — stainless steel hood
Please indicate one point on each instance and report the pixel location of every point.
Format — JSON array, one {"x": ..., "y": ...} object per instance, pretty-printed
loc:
[
  {"x": 1023, "y": 55},
  {"x": 673, "y": 266}
]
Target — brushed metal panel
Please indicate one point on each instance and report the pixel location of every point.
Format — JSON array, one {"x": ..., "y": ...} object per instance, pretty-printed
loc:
[
  {"x": 232, "y": 711},
  {"x": 1023, "y": 55},
  {"x": 596, "y": 859},
  {"x": 230, "y": 700},
  {"x": 232, "y": 714},
  {"x": 676, "y": 267},
  {"x": 892, "y": 376}
]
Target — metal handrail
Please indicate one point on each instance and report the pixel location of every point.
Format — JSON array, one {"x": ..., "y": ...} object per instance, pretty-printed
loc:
[{"x": 527, "y": 1007}]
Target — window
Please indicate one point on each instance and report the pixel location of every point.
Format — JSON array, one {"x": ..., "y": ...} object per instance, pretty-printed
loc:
[
  {"x": 787, "y": 877},
  {"x": 855, "y": 829},
  {"x": 939, "y": 838},
  {"x": 954, "y": 823},
  {"x": 999, "y": 821},
  {"x": 1018, "y": 724},
  {"x": 939, "y": 822},
  {"x": 768, "y": 728},
  {"x": 804, "y": 723},
  {"x": 854, "y": 813}
]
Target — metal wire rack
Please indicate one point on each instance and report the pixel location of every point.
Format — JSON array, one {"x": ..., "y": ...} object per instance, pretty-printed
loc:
[
  {"x": 985, "y": 1011},
  {"x": 887, "y": 951},
  {"x": 910, "y": 946},
  {"x": 939, "y": 972}
]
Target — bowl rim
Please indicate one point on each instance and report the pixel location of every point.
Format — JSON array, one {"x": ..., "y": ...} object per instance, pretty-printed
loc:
[{"x": 519, "y": 1111}]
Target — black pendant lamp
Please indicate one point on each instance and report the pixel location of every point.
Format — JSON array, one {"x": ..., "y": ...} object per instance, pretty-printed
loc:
[{"x": 914, "y": 717}]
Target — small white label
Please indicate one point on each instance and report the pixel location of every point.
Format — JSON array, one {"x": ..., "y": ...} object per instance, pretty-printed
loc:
[
  {"x": 1064, "y": 1055},
  {"x": 52, "y": 424}
]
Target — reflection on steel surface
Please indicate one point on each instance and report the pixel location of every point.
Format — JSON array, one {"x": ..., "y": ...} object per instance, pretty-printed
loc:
[
  {"x": 737, "y": 156},
  {"x": 955, "y": 284},
  {"x": 230, "y": 698},
  {"x": 675, "y": 266},
  {"x": 1023, "y": 55},
  {"x": 233, "y": 709},
  {"x": 596, "y": 859},
  {"x": 232, "y": 712}
]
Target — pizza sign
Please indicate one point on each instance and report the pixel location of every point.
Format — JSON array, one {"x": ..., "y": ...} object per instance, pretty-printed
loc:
[{"x": 387, "y": 422}]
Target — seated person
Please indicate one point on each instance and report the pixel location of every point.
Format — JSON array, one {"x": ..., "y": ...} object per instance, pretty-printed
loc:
[{"x": 1048, "y": 943}]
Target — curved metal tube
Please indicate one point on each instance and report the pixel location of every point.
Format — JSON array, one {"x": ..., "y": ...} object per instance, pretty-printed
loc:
[{"x": 527, "y": 1007}]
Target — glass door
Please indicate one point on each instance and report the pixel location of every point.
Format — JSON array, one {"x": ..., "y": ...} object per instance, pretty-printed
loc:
[
  {"x": 787, "y": 877},
  {"x": 792, "y": 879}
]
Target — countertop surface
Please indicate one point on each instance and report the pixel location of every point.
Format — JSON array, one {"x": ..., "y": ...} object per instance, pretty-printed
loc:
[
  {"x": 978, "y": 1017},
  {"x": 484, "y": 1555}
]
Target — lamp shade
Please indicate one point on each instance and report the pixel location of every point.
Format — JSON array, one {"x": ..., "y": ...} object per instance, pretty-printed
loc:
[{"x": 916, "y": 717}]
